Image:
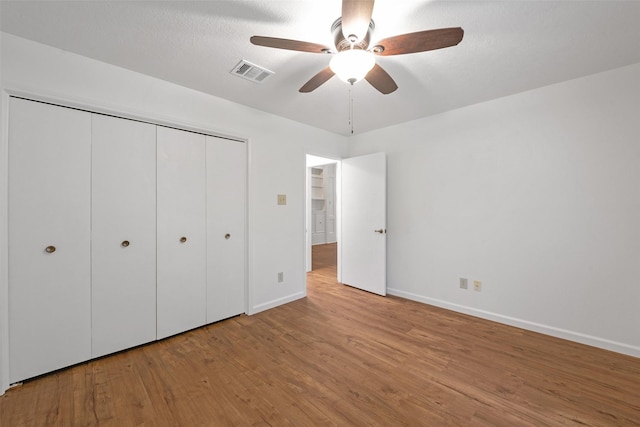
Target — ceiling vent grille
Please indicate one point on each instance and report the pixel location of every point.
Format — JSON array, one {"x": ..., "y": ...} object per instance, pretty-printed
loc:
[{"x": 249, "y": 71}]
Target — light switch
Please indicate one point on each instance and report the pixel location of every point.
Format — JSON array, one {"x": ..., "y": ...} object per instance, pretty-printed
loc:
[{"x": 282, "y": 199}]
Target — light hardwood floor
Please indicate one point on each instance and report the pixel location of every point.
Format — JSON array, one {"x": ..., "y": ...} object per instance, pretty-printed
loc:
[{"x": 340, "y": 357}]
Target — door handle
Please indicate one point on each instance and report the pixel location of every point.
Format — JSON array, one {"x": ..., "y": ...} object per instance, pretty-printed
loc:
[{"x": 381, "y": 231}]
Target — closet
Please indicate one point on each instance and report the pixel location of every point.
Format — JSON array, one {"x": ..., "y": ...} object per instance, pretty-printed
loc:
[
  {"x": 226, "y": 235},
  {"x": 181, "y": 231},
  {"x": 120, "y": 233},
  {"x": 123, "y": 223},
  {"x": 49, "y": 238}
]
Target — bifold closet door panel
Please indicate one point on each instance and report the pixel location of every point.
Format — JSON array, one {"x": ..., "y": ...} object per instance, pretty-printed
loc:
[
  {"x": 181, "y": 210},
  {"x": 124, "y": 234},
  {"x": 49, "y": 238},
  {"x": 226, "y": 201}
]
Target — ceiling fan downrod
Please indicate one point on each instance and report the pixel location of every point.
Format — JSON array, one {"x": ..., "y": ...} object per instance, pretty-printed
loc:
[{"x": 352, "y": 42}]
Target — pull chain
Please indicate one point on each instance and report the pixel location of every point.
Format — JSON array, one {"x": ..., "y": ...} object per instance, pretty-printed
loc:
[{"x": 350, "y": 111}]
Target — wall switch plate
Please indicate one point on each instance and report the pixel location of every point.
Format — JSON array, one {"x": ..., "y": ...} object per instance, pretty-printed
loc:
[
  {"x": 280, "y": 277},
  {"x": 463, "y": 283},
  {"x": 477, "y": 286},
  {"x": 282, "y": 199}
]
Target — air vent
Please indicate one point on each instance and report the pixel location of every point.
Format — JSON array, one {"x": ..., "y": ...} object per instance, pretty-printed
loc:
[{"x": 249, "y": 71}]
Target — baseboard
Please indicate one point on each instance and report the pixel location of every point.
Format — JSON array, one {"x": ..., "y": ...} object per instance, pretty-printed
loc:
[
  {"x": 523, "y": 324},
  {"x": 276, "y": 302}
]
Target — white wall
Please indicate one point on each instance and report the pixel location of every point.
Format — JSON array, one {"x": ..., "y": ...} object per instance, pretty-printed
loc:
[
  {"x": 277, "y": 149},
  {"x": 536, "y": 195}
]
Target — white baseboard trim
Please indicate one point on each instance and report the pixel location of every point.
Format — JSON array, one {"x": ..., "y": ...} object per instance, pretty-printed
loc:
[
  {"x": 578, "y": 337},
  {"x": 276, "y": 302}
]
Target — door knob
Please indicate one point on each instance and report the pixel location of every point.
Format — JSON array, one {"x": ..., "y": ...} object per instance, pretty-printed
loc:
[
  {"x": 227, "y": 236},
  {"x": 381, "y": 231},
  {"x": 124, "y": 243},
  {"x": 50, "y": 249},
  {"x": 183, "y": 239}
]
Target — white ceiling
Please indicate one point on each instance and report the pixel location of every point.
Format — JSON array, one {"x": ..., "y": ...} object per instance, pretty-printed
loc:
[{"x": 508, "y": 47}]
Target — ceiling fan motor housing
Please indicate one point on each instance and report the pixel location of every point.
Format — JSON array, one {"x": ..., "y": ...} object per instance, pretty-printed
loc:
[{"x": 343, "y": 43}]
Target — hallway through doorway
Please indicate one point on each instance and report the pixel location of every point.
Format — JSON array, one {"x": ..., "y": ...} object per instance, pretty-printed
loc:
[{"x": 324, "y": 257}]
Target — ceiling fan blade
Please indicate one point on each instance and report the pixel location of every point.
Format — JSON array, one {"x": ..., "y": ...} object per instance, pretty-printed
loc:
[
  {"x": 289, "y": 44},
  {"x": 317, "y": 80},
  {"x": 356, "y": 15},
  {"x": 420, "y": 42},
  {"x": 381, "y": 80}
]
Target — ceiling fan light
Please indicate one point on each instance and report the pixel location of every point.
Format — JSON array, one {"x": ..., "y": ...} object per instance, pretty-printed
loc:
[{"x": 352, "y": 65}]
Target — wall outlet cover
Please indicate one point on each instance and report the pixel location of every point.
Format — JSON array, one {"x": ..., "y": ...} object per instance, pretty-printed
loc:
[
  {"x": 477, "y": 286},
  {"x": 282, "y": 199}
]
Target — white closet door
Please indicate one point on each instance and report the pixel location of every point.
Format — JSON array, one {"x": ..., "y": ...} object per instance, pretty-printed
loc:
[
  {"x": 49, "y": 238},
  {"x": 226, "y": 200},
  {"x": 124, "y": 234},
  {"x": 181, "y": 282}
]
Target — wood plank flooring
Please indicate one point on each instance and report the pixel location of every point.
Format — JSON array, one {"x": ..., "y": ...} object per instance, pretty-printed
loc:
[
  {"x": 325, "y": 257},
  {"x": 340, "y": 357}
]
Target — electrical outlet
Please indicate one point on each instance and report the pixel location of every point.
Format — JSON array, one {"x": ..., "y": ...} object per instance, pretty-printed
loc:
[
  {"x": 280, "y": 277},
  {"x": 463, "y": 283},
  {"x": 282, "y": 199},
  {"x": 477, "y": 286}
]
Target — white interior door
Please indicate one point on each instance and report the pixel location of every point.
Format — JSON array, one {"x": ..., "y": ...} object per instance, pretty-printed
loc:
[
  {"x": 49, "y": 238},
  {"x": 123, "y": 308},
  {"x": 226, "y": 200},
  {"x": 181, "y": 213},
  {"x": 363, "y": 226}
]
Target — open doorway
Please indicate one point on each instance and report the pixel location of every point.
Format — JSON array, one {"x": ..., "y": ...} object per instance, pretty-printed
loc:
[
  {"x": 322, "y": 219},
  {"x": 360, "y": 219}
]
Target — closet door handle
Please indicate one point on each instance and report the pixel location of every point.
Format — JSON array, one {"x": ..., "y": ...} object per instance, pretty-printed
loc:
[
  {"x": 124, "y": 243},
  {"x": 50, "y": 249},
  {"x": 183, "y": 239},
  {"x": 227, "y": 236},
  {"x": 381, "y": 231}
]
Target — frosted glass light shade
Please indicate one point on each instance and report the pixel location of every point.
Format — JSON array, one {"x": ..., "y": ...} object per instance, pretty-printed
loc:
[{"x": 352, "y": 65}]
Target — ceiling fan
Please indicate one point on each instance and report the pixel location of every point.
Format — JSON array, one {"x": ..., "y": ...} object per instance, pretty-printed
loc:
[{"x": 354, "y": 59}]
